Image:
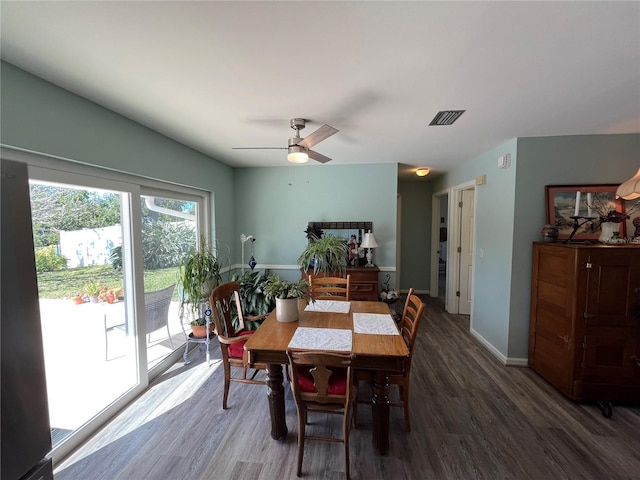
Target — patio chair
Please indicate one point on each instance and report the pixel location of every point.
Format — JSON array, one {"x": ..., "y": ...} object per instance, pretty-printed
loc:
[{"x": 156, "y": 312}]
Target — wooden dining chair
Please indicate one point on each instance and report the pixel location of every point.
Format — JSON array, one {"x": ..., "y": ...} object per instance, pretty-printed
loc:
[
  {"x": 330, "y": 288},
  {"x": 223, "y": 300},
  {"x": 322, "y": 382},
  {"x": 411, "y": 316}
]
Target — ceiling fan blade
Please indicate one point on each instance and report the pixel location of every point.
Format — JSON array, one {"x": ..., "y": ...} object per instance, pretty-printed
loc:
[
  {"x": 318, "y": 156},
  {"x": 258, "y": 148},
  {"x": 325, "y": 131}
]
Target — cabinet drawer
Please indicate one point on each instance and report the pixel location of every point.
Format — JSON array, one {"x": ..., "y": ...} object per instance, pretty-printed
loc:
[{"x": 362, "y": 287}]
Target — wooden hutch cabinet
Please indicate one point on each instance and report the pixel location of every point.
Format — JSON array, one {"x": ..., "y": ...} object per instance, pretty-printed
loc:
[
  {"x": 364, "y": 283},
  {"x": 584, "y": 331}
]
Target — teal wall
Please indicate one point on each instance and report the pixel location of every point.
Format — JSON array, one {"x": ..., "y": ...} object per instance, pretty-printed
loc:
[
  {"x": 415, "y": 240},
  {"x": 276, "y": 203},
  {"x": 567, "y": 160},
  {"x": 40, "y": 117},
  {"x": 494, "y": 213},
  {"x": 273, "y": 204},
  {"x": 510, "y": 211}
]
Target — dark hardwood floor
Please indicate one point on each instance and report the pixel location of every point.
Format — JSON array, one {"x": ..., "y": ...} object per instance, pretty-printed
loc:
[{"x": 472, "y": 418}]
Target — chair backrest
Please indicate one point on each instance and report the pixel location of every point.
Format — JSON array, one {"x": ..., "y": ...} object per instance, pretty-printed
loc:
[
  {"x": 411, "y": 316},
  {"x": 321, "y": 377},
  {"x": 156, "y": 308},
  {"x": 221, "y": 301},
  {"x": 330, "y": 288}
]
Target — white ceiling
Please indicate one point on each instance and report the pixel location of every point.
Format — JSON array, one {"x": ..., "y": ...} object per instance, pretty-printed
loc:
[{"x": 217, "y": 75}]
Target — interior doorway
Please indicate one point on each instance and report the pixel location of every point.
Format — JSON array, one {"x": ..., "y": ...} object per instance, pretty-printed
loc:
[
  {"x": 440, "y": 246},
  {"x": 457, "y": 269}
]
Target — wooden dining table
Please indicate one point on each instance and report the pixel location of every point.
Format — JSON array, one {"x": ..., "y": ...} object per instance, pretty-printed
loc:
[{"x": 382, "y": 355}]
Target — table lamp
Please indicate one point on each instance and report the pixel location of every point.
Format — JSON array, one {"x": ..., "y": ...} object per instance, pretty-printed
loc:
[{"x": 369, "y": 242}]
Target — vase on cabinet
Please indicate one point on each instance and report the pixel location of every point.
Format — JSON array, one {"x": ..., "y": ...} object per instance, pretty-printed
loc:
[{"x": 610, "y": 233}]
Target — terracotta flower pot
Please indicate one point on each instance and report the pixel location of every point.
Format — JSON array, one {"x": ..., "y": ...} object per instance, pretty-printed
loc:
[{"x": 200, "y": 331}]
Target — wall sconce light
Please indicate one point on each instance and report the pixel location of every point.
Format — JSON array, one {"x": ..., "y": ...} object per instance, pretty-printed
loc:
[
  {"x": 422, "y": 172},
  {"x": 630, "y": 189}
]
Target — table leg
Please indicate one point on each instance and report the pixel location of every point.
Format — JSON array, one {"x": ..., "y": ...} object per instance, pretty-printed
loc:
[
  {"x": 276, "y": 401},
  {"x": 380, "y": 411}
]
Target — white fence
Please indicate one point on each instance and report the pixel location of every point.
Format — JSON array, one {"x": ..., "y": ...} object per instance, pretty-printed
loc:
[{"x": 91, "y": 246}]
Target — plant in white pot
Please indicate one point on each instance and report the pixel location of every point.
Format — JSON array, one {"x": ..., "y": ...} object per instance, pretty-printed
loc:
[
  {"x": 199, "y": 274},
  {"x": 288, "y": 295}
]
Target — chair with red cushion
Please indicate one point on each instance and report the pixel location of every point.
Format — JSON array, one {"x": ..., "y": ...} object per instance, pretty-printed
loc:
[
  {"x": 322, "y": 382},
  {"x": 224, "y": 300}
]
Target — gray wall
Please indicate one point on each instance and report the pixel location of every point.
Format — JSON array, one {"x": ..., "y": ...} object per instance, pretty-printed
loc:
[{"x": 415, "y": 240}]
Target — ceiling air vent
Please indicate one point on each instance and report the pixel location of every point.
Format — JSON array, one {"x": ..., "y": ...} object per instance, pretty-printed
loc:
[{"x": 446, "y": 117}]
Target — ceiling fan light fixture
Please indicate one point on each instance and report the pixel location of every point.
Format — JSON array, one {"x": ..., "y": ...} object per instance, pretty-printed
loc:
[
  {"x": 297, "y": 155},
  {"x": 422, "y": 172}
]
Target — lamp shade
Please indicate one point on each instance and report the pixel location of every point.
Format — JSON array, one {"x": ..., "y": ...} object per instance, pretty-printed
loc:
[
  {"x": 630, "y": 189},
  {"x": 369, "y": 241},
  {"x": 297, "y": 155},
  {"x": 422, "y": 172}
]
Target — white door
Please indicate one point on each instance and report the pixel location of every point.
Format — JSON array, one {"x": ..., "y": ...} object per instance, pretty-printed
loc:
[{"x": 466, "y": 251}]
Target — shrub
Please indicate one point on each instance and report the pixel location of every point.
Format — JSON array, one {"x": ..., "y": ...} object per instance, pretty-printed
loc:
[{"x": 47, "y": 260}]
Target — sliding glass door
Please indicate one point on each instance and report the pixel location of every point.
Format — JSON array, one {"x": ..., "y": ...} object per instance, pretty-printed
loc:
[
  {"x": 107, "y": 253},
  {"x": 168, "y": 232},
  {"x": 83, "y": 301}
]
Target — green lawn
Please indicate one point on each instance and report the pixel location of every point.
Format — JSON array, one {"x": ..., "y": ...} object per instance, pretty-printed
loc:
[{"x": 68, "y": 283}]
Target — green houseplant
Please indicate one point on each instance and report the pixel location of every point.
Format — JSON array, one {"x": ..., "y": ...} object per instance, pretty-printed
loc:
[
  {"x": 326, "y": 255},
  {"x": 255, "y": 301},
  {"x": 288, "y": 296},
  {"x": 198, "y": 275}
]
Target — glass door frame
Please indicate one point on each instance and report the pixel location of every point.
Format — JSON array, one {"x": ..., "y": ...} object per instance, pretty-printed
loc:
[{"x": 46, "y": 169}]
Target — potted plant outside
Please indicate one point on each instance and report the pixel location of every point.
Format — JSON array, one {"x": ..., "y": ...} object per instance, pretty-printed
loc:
[
  {"x": 288, "y": 295},
  {"x": 326, "y": 256},
  {"x": 92, "y": 290},
  {"x": 199, "y": 274}
]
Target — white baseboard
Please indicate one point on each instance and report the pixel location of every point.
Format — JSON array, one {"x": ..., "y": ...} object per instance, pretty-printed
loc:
[{"x": 506, "y": 361}]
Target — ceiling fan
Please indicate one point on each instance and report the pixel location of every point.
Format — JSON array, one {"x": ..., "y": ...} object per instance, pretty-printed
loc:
[{"x": 299, "y": 149}]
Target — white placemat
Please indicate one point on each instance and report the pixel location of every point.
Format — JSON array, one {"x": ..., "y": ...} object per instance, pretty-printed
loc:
[
  {"x": 321, "y": 339},
  {"x": 330, "y": 306},
  {"x": 374, "y": 323}
]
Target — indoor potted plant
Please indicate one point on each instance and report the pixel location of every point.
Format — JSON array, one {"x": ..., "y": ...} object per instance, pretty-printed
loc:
[
  {"x": 255, "y": 301},
  {"x": 199, "y": 274},
  {"x": 326, "y": 255},
  {"x": 288, "y": 295}
]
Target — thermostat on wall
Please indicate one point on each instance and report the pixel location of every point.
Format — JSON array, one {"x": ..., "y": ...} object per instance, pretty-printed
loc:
[{"x": 504, "y": 161}]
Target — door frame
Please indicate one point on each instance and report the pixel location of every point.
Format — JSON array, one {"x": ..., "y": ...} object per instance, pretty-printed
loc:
[
  {"x": 453, "y": 237},
  {"x": 436, "y": 202},
  {"x": 46, "y": 169}
]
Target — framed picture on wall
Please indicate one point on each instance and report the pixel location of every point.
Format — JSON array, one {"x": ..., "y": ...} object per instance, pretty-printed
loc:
[{"x": 566, "y": 201}]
